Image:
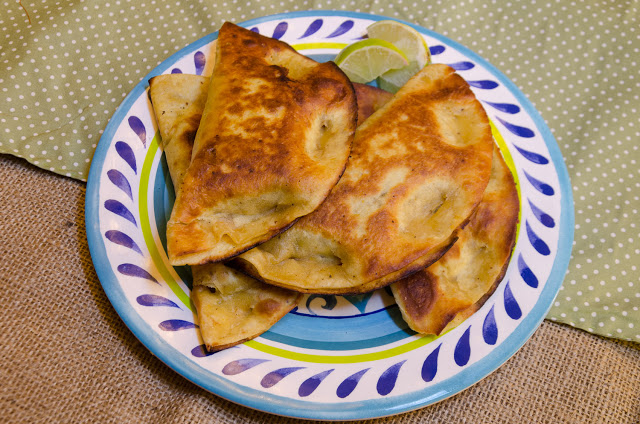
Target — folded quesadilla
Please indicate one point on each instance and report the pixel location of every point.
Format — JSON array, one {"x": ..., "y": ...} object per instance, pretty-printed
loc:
[
  {"x": 232, "y": 307},
  {"x": 274, "y": 138},
  {"x": 418, "y": 168},
  {"x": 178, "y": 101},
  {"x": 457, "y": 285}
]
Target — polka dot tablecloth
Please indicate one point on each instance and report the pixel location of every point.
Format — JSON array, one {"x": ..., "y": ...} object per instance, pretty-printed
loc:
[{"x": 66, "y": 65}]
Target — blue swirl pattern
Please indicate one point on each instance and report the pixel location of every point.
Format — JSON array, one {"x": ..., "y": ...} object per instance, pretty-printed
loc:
[
  {"x": 462, "y": 352},
  {"x": 119, "y": 180},
  {"x": 155, "y": 300},
  {"x": 430, "y": 365},
  {"x": 511, "y": 305},
  {"x": 525, "y": 272},
  {"x": 312, "y": 29},
  {"x": 311, "y": 384},
  {"x": 490, "y": 328},
  {"x": 387, "y": 380},
  {"x": 349, "y": 384}
]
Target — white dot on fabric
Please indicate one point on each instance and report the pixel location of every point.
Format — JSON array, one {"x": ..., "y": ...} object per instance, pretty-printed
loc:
[{"x": 579, "y": 69}]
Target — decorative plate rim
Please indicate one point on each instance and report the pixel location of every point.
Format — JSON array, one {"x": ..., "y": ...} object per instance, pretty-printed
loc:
[{"x": 286, "y": 406}]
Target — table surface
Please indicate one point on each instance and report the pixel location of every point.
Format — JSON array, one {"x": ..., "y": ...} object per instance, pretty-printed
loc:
[{"x": 67, "y": 356}]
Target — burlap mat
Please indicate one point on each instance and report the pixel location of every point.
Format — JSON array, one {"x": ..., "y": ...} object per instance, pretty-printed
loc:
[{"x": 66, "y": 357}]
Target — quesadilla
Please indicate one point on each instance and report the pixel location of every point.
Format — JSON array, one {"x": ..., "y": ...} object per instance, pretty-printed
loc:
[
  {"x": 418, "y": 168},
  {"x": 274, "y": 138},
  {"x": 369, "y": 100},
  {"x": 178, "y": 101},
  {"x": 457, "y": 285},
  {"x": 232, "y": 307}
]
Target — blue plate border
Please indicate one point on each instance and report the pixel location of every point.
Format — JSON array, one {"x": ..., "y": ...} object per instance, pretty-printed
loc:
[{"x": 313, "y": 410}]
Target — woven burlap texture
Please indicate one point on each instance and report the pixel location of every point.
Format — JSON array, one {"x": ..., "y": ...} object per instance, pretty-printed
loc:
[{"x": 66, "y": 357}]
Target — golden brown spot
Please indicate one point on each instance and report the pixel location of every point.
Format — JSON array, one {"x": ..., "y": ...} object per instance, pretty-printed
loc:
[{"x": 267, "y": 306}]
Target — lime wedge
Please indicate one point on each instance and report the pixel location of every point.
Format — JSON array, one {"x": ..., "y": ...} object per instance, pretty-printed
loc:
[
  {"x": 412, "y": 45},
  {"x": 403, "y": 37},
  {"x": 367, "y": 59},
  {"x": 394, "y": 79}
]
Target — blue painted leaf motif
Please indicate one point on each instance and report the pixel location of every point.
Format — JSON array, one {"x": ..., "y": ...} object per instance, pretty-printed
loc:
[
  {"x": 483, "y": 84},
  {"x": 525, "y": 272},
  {"x": 155, "y": 300},
  {"x": 118, "y": 237},
  {"x": 199, "y": 61},
  {"x": 543, "y": 188},
  {"x": 138, "y": 127},
  {"x": 510, "y": 304},
  {"x": 462, "y": 352},
  {"x": 518, "y": 130},
  {"x": 176, "y": 325},
  {"x": 119, "y": 209},
  {"x": 490, "y": 328},
  {"x": 359, "y": 300},
  {"x": 256, "y": 30},
  {"x": 435, "y": 50},
  {"x": 311, "y": 384},
  {"x": 533, "y": 157},
  {"x": 349, "y": 384},
  {"x": 120, "y": 181},
  {"x": 537, "y": 243},
  {"x": 344, "y": 27},
  {"x": 462, "y": 66},
  {"x": 330, "y": 301},
  {"x": 241, "y": 365},
  {"x": 280, "y": 29},
  {"x": 387, "y": 380},
  {"x": 176, "y": 71},
  {"x": 505, "y": 107},
  {"x": 126, "y": 153},
  {"x": 201, "y": 351},
  {"x": 274, "y": 377},
  {"x": 430, "y": 365},
  {"x": 313, "y": 28},
  {"x": 135, "y": 271},
  {"x": 544, "y": 218}
]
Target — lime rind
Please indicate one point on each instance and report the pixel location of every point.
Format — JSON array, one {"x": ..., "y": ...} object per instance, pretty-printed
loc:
[
  {"x": 410, "y": 42},
  {"x": 394, "y": 79},
  {"x": 367, "y": 59},
  {"x": 403, "y": 37}
]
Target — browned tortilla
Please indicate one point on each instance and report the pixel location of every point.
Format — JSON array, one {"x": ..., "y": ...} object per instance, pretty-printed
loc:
[
  {"x": 457, "y": 285},
  {"x": 274, "y": 138},
  {"x": 418, "y": 168},
  {"x": 232, "y": 307}
]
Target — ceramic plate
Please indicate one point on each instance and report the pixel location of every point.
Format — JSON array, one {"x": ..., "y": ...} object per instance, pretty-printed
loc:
[{"x": 334, "y": 357}]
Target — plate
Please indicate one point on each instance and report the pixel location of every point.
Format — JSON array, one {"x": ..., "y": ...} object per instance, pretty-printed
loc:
[{"x": 334, "y": 357}]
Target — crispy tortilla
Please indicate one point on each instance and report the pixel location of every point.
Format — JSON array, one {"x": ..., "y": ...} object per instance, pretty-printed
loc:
[
  {"x": 232, "y": 307},
  {"x": 418, "y": 168},
  {"x": 178, "y": 101},
  {"x": 274, "y": 138},
  {"x": 452, "y": 289}
]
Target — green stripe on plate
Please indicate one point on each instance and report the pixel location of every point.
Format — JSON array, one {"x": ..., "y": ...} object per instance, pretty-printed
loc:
[
  {"x": 341, "y": 359},
  {"x": 508, "y": 159},
  {"x": 145, "y": 225},
  {"x": 313, "y": 46}
]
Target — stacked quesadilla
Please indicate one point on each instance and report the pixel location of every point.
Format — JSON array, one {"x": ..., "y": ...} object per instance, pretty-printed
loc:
[
  {"x": 268, "y": 206},
  {"x": 418, "y": 168},
  {"x": 232, "y": 307},
  {"x": 274, "y": 138}
]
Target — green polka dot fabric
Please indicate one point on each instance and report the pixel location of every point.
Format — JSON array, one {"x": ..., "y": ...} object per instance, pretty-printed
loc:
[{"x": 66, "y": 65}]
